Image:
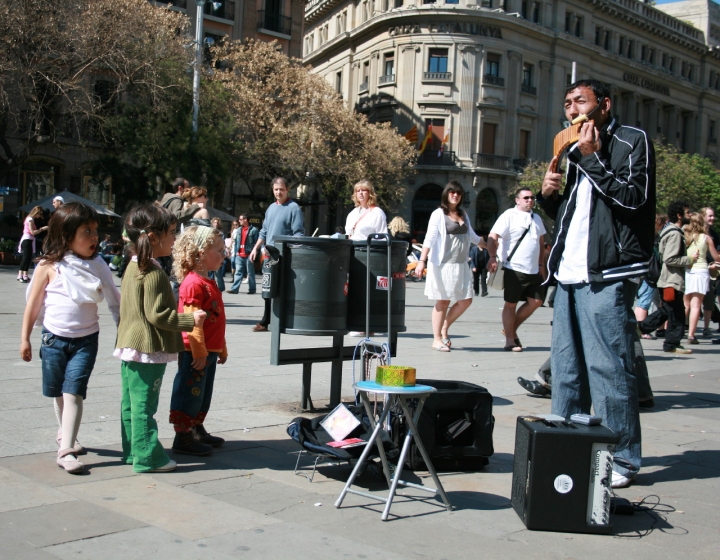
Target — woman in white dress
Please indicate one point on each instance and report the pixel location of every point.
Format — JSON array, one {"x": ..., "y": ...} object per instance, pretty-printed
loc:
[
  {"x": 697, "y": 277},
  {"x": 445, "y": 252},
  {"x": 366, "y": 218}
]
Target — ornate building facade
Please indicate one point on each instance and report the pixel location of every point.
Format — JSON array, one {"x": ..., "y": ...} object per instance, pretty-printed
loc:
[{"x": 487, "y": 79}]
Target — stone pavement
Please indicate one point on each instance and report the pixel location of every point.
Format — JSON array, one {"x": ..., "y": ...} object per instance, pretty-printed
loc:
[{"x": 245, "y": 502}]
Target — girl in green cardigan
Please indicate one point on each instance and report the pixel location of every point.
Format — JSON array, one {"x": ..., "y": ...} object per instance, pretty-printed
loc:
[{"x": 148, "y": 335}]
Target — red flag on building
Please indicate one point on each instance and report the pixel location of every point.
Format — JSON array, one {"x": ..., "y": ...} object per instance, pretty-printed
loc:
[
  {"x": 412, "y": 135},
  {"x": 427, "y": 139}
]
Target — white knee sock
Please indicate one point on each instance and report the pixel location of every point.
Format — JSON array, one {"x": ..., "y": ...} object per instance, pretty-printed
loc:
[
  {"x": 58, "y": 406},
  {"x": 71, "y": 416}
]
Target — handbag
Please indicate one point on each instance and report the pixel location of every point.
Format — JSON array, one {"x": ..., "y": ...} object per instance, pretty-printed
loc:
[{"x": 496, "y": 279}]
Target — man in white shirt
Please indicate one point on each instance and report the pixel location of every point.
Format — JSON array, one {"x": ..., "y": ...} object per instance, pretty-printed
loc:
[{"x": 519, "y": 234}]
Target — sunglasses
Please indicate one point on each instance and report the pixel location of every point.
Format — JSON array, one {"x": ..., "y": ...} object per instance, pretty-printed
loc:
[{"x": 528, "y": 198}]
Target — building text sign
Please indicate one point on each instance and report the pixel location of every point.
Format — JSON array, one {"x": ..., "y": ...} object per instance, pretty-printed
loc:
[
  {"x": 645, "y": 83},
  {"x": 463, "y": 27}
]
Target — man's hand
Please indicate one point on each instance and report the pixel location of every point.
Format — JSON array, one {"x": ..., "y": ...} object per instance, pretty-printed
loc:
[
  {"x": 198, "y": 364},
  {"x": 589, "y": 141},
  {"x": 252, "y": 256},
  {"x": 222, "y": 359},
  {"x": 492, "y": 265},
  {"x": 552, "y": 182}
]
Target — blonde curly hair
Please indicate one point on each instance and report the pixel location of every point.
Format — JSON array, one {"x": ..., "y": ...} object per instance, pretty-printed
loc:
[{"x": 186, "y": 252}]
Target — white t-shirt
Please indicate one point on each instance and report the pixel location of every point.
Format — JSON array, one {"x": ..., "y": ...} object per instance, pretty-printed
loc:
[
  {"x": 360, "y": 223},
  {"x": 573, "y": 268},
  {"x": 509, "y": 228}
]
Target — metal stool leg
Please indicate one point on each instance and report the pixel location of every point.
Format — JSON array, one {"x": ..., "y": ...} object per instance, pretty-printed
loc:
[
  {"x": 374, "y": 437},
  {"x": 412, "y": 422}
]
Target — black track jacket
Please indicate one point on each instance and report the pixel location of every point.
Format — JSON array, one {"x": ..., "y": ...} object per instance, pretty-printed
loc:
[{"x": 622, "y": 213}]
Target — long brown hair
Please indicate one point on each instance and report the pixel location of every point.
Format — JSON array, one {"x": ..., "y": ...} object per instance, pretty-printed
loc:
[
  {"x": 142, "y": 220},
  {"x": 452, "y": 186},
  {"x": 35, "y": 212},
  {"x": 63, "y": 225},
  {"x": 695, "y": 228},
  {"x": 194, "y": 192}
]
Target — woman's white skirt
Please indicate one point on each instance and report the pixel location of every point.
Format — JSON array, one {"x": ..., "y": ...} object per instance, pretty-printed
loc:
[
  {"x": 449, "y": 281},
  {"x": 697, "y": 281}
]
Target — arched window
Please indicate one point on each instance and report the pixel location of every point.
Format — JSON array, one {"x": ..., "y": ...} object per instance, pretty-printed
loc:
[
  {"x": 427, "y": 198},
  {"x": 486, "y": 211}
]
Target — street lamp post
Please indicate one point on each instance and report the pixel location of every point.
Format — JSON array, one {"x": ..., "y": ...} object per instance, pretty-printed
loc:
[{"x": 200, "y": 7}]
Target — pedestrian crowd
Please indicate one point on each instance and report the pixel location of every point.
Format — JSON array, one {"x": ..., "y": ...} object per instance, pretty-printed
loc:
[{"x": 620, "y": 271}]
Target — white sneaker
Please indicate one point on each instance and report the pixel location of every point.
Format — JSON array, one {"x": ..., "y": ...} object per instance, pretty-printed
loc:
[
  {"x": 167, "y": 467},
  {"x": 620, "y": 480}
]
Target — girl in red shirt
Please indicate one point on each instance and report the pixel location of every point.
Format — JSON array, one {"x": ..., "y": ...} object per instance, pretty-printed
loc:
[{"x": 197, "y": 251}]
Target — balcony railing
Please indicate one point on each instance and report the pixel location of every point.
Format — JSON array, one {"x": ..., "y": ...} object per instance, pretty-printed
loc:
[
  {"x": 493, "y": 80},
  {"x": 386, "y": 79},
  {"x": 434, "y": 157},
  {"x": 491, "y": 161},
  {"x": 532, "y": 90},
  {"x": 437, "y": 76},
  {"x": 274, "y": 22},
  {"x": 363, "y": 87}
]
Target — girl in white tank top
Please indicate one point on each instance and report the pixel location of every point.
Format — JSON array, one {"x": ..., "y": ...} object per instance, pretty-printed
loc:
[{"x": 63, "y": 298}]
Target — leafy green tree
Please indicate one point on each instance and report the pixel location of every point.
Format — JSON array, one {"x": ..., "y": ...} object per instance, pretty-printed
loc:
[{"x": 688, "y": 177}]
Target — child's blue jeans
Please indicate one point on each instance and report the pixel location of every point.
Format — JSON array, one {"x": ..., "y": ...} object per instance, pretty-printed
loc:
[{"x": 192, "y": 392}]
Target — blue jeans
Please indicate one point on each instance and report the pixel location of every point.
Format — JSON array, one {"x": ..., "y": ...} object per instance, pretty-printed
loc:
[
  {"x": 592, "y": 362},
  {"x": 219, "y": 276},
  {"x": 243, "y": 266},
  {"x": 67, "y": 363},
  {"x": 192, "y": 391}
]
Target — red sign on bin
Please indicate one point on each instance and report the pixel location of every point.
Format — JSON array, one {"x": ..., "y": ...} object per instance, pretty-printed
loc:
[{"x": 382, "y": 283}]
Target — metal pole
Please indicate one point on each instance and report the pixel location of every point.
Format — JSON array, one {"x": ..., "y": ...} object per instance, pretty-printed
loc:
[{"x": 200, "y": 6}]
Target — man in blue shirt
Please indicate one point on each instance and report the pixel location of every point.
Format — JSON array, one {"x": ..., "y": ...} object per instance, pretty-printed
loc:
[{"x": 284, "y": 217}]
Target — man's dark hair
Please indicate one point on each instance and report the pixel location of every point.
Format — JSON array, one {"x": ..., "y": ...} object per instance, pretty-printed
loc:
[
  {"x": 280, "y": 180},
  {"x": 598, "y": 88},
  {"x": 521, "y": 189},
  {"x": 179, "y": 182},
  {"x": 676, "y": 210}
]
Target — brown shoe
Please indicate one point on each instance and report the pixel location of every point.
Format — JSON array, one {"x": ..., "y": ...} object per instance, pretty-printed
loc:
[{"x": 259, "y": 328}]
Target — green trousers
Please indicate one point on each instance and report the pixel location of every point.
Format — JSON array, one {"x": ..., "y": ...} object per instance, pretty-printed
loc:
[{"x": 140, "y": 395}]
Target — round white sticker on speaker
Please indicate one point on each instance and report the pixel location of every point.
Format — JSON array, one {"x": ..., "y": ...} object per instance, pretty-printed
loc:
[{"x": 563, "y": 483}]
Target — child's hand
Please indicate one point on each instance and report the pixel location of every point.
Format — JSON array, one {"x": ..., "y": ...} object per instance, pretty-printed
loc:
[
  {"x": 26, "y": 350},
  {"x": 198, "y": 364},
  {"x": 199, "y": 317},
  {"x": 222, "y": 359}
]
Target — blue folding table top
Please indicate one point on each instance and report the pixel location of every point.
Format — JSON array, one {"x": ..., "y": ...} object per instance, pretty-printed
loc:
[{"x": 373, "y": 387}]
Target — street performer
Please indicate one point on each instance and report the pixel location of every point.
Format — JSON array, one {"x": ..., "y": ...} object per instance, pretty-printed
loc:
[{"x": 604, "y": 217}]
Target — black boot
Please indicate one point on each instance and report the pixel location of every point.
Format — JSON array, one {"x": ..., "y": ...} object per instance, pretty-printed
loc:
[
  {"x": 204, "y": 437},
  {"x": 533, "y": 387},
  {"x": 187, "y": 444}
]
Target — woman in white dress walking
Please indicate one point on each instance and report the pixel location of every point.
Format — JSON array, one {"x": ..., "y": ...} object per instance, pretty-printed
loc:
[{"x": 445, "y": 253}]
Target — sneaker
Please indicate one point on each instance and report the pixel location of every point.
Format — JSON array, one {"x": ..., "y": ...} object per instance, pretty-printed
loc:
[
  {"x": 707, "y": 333},
  {"x": 204, "y": 437},
  {"x": 660, "y": 333},
  {"x": 231, "y": 292},
  {"x": 677, "y": 350},
  {"x": 648, "y": 403},
  {"x": 187, "y": 444},
  {"x": 25, "y": 280},
  {"x": 260, "y": 328},
  {"x": 621, "y": 481},
  {"x": 533, "y": 387},
  {"x": 716, "y": 340},
  {"x": 167, "y": 467},
  {"x": 693, "y": 340}
]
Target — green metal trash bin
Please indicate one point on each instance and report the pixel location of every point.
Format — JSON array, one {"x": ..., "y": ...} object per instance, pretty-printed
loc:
[
  {"x": 314, "y": 284},
  {"x": 379, "y": 283}
]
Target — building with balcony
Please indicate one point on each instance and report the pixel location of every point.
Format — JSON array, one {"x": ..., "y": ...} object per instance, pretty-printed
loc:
[{"x": 490, "y": 75}]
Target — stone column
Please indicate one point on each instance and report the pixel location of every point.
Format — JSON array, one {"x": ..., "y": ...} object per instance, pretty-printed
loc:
[
  {"x": 468, "y": 83},
  {"x": 509, "y": 133},
  {"x": 671, "y": 113},
  {"x": 405, "y": 76},
  {"x": 653, "y": 125},
  {"x": 630, "y": 117},
  {"x": 546, "y": 129},
  {"x": 691, "y": 132}
]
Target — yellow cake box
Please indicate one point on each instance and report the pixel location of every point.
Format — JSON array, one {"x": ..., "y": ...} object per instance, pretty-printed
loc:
[{"x": 395, "y": 376}]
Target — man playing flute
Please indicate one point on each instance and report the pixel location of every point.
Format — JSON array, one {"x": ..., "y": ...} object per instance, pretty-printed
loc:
[{"x": 604, "y": 222}]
